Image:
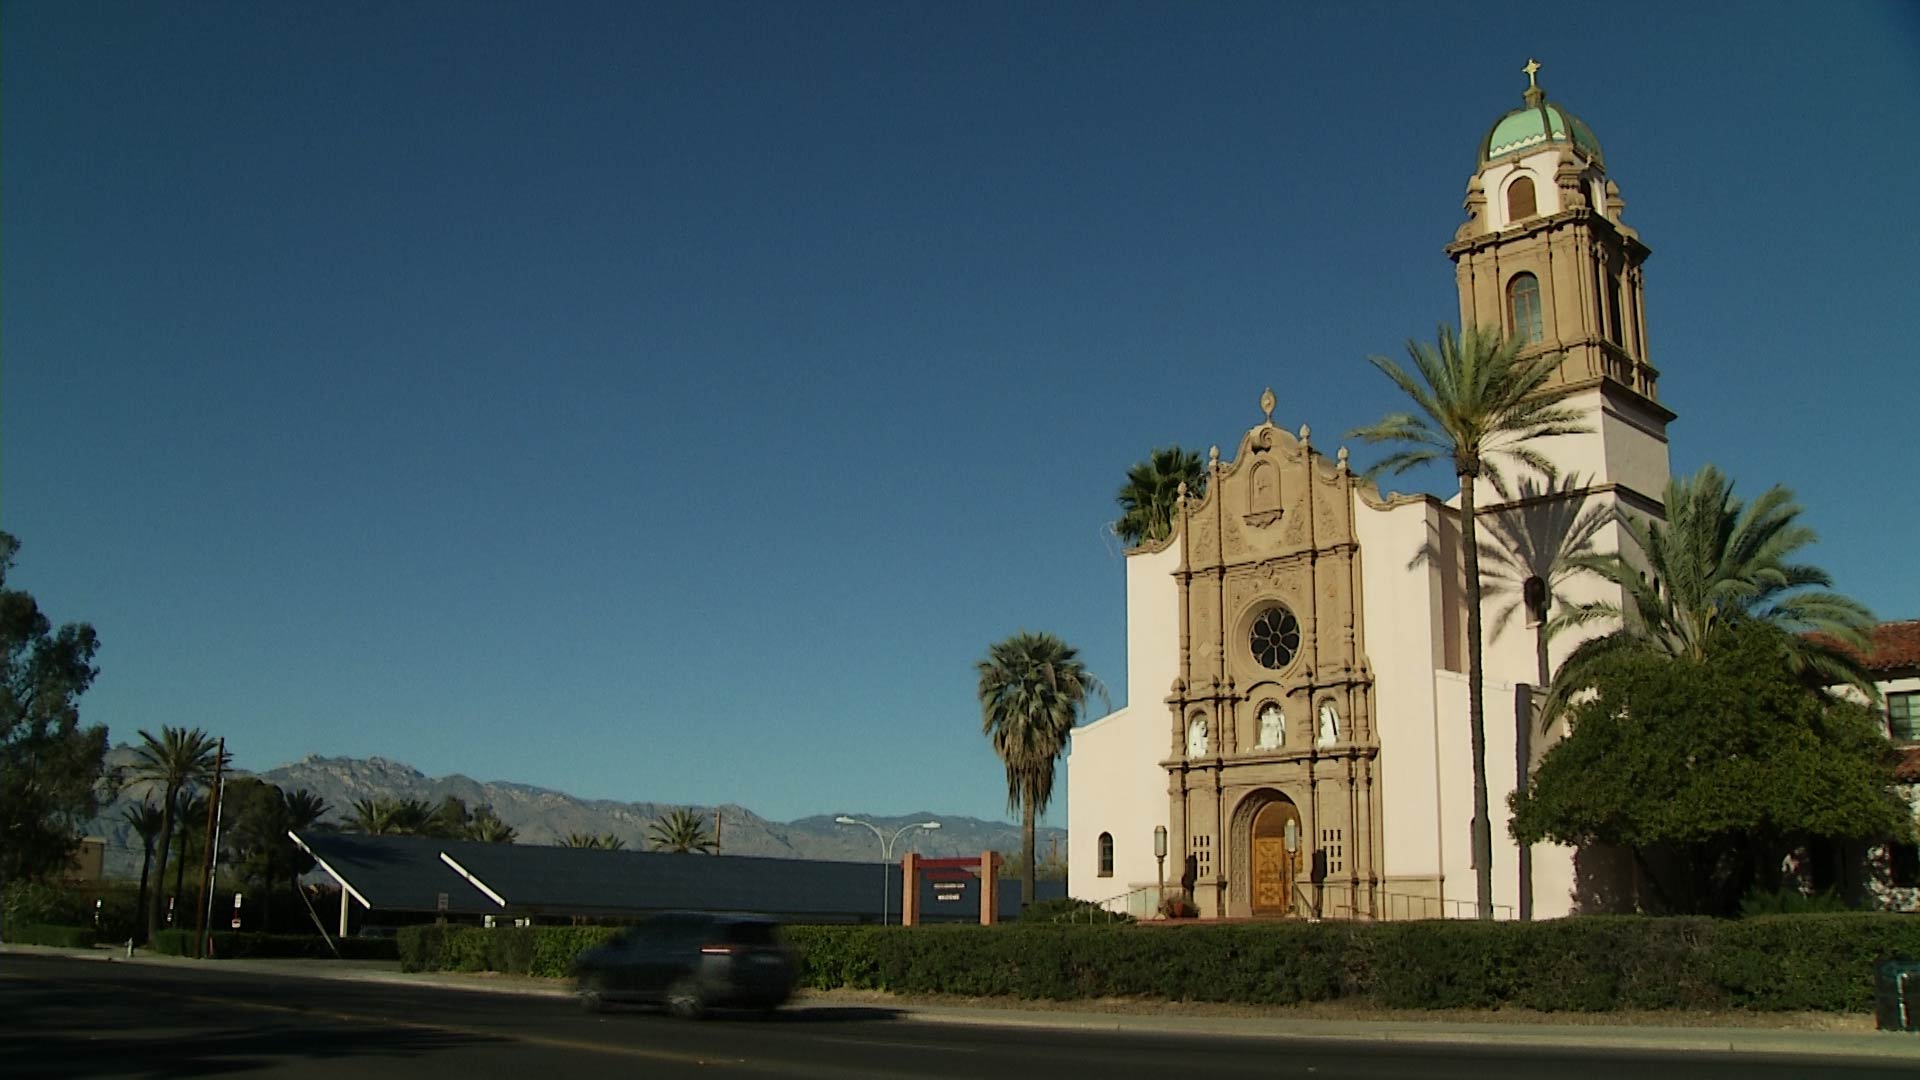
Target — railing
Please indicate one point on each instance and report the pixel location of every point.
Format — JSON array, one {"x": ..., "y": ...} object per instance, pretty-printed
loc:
[
  {"x": 1399, "y": 907},
  {"x": 1142, "y": 902}
]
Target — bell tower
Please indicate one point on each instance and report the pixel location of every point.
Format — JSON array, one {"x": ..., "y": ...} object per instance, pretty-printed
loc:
[{"x": 1545, "y": 257}]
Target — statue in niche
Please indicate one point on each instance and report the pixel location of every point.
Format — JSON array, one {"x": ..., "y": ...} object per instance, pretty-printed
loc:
[
  {"x": 1197, "y": 737},
  {"x": 1273, "y": 726},
  {"x": 1329, "y": 724}
]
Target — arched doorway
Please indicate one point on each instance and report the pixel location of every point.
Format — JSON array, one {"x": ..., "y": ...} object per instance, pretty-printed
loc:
[{"x": 1274, "y": 867}]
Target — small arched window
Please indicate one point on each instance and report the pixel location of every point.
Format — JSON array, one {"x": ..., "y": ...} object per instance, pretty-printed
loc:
[
  {"x": 1523, "y": 308},
  {"x": 1520, "y": 201},
  {"x": 1106, "y": 854}
]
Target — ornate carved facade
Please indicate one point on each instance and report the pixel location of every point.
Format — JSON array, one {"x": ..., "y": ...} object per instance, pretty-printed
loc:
[{"x": 1272, "y": 749}]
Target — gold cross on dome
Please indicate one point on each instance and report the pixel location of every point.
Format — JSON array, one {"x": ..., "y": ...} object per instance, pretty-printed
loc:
[{"x": 1532, "y": 66}]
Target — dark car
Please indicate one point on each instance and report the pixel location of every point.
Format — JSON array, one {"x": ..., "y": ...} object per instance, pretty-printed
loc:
[{"x": 690, "y": 962}]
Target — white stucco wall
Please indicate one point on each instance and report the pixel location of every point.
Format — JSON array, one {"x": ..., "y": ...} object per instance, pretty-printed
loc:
[
  {"x": 1405, "y": 635},
  {"x": 1114, "y": 780}
]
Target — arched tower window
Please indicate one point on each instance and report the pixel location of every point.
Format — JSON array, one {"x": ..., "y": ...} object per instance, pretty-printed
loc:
[
  {"x": 1106, "y": 854},
  {"x": 1520, "y": 200},
  {"x": 1523, "y": 308}
]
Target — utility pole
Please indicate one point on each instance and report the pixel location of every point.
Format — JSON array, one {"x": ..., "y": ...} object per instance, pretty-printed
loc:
[{"x": 213, "y": 844}]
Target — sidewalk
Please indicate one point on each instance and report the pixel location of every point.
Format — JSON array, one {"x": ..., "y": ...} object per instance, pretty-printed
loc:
[{"x": 1597, "y": 1032}]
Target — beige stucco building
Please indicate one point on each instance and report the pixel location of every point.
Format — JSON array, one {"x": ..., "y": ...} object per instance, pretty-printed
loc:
[{"x": 1296, "y": 715}]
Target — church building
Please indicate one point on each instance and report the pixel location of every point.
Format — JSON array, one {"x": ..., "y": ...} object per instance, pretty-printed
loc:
[{"x": 1296, "y": 741}]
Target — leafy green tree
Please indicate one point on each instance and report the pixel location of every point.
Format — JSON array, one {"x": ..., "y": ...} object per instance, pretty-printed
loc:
[
  {"x": 1716, "y": 562},
  {"x": 681, "y": 831},
  {"x": 1149, "y": 499},
  {"x": 50, "y": 767},
  {"x": 1478, "y": 401},
  {"x": 1032, "y": 688},
  {"x": 254, "y": 841},
  {"x": 145, "y": 821},
  {"x": 173, "y": 764},
  {"x": 1710, "y": 768}
]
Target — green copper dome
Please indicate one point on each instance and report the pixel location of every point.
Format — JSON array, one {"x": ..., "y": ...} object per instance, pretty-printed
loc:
[{"x": 1537, "y": 125}]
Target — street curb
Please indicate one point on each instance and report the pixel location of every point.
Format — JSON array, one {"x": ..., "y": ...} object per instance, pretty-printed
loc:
[{"x": 1876, "y": 1045}]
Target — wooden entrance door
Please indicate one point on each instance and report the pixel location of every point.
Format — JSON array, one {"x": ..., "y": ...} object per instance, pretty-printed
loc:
[{"x": 1273, "y": 868}]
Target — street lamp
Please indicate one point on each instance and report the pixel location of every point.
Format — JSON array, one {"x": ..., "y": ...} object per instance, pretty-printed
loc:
[
  {"x": 886, "y": 853},
  {"x": 1160, "y": 856}
]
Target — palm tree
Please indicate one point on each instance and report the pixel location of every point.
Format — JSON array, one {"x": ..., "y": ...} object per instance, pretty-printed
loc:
[
  {"x": 147, "y": 821},
  {"x": 603, "y": 842},
  {"x": 1150, "y": 497},
  {"x": 174, "y": 762},
  {"x": 383, "y": 816},
  {"x": 1716, "y": 562},
  {"x": 1032, "y": 688},
  {"x": 1479, "y": 400},
  {"x": 487, "y": 827},
  {"x": 299, "y": 811},
  {"x": 681, "y": 831},
  {"x": 191, "y": 835}
]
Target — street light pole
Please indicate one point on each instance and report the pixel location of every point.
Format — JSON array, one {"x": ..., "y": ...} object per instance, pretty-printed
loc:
[{"x": 886, "y": 853}]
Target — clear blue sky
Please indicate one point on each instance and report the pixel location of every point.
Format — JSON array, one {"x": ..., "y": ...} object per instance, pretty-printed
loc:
[{"x": 673, "y": 401}]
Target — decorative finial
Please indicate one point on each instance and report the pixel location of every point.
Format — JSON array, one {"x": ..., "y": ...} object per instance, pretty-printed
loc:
[
  {"x": 1343, "y": 459},
  {"x": 1305, "y": 432},
  {"x": 1183, "y": 492},
  {"x": 1213, "y": 458},
  {"x": 1532, "y": 67},
  {"x": 1266, "y": 403}
]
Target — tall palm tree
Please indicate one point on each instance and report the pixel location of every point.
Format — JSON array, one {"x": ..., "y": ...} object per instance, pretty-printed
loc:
[
  {"x": 146, "y": 821},
  {"x": 1718, "y": 561},
  {"x": 190, "y": 835},
  {"x": 173, "y": 763},
  {"x": 681, "y": 831},
  {"x": 300, "y": 811},
  {"x": 1149, "y": 499},
  {"x": 1478, "y": 401},
  {"x": 1032, "y": 688}
]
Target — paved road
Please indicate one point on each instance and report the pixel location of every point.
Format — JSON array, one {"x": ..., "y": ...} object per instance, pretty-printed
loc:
[{"x": 69, "y": 1017}]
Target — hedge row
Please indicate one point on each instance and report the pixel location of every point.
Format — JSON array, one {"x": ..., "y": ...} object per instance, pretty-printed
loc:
[
  {"x": 545, "y": 951},
  {"x": 231, "y": 945},
  {"x": 65, "y": 937},
  {"x": 1797, "y": 962}
]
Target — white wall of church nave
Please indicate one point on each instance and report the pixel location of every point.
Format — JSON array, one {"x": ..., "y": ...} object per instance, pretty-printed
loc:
[
  {"x": 1552, "y": 865},
  {"x": 1114, "y": 780},
  {"x": 1115, "y": 785},
  {"x": 1407, "y": 627},
  {"x": 1153, "y": 626}
]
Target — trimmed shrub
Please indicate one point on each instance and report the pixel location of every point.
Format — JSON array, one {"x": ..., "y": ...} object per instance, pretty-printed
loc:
[
  {"x": 1592, "y": 964},
  {"x": 232, "y": 945},
  {"x": 62, "y": 937}
]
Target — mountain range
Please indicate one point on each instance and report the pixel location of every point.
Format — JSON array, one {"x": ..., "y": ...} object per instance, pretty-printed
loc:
[{"x": 543, "y": 816}]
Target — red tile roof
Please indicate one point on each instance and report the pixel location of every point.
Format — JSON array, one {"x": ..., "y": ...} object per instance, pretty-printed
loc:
[
  {"x": 1896, "y": 646},
  {"x": 1907, "y": 769}
]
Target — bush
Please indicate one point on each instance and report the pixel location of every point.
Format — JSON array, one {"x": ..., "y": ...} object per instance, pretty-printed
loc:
[
  {"x": 63, "y": 937},
  {"x": 1592, "y": 964},
  {"x": 231, "y": 945},
  {"x": 1067, "y": 909}
]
